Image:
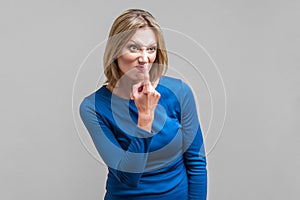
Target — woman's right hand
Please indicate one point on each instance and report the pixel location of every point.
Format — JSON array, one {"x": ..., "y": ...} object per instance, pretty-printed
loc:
[{"x": 146, "y": 99}]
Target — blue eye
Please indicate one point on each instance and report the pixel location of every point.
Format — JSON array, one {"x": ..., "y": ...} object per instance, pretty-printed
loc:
[{"x": 133, "y": 48}]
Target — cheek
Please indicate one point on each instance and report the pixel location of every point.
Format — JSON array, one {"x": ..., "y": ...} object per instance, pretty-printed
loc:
[
  {"x": 125, "y": 61},
  {"x": 152, "y": 58},
  {"x": 128, "y": 58}
]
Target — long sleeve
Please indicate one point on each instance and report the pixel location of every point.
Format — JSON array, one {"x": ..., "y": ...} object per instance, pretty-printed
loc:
[
  {"x": 194, "y": 156},
  {"x": 127, "y": 165}
]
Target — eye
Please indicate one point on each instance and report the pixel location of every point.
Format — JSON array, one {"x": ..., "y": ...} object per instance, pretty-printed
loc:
[
  {"x": 151, "y": 49},
  {"x": 133, "y": 48}
]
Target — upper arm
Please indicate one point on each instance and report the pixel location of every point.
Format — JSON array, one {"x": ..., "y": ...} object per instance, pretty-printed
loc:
[{"x": 127, "y": 166}]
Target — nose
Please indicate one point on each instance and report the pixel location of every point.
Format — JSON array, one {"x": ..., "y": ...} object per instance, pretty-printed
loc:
[{"x": 143, "y": 58}]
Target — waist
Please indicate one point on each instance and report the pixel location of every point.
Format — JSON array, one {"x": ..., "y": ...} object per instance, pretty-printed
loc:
[{"x": 169, "y": 181}]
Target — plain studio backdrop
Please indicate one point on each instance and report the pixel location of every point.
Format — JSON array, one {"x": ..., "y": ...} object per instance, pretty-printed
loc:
[{"x": 254, "y": 43}]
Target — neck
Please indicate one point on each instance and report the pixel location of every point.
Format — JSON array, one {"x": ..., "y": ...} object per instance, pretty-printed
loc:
[{"x": 123, "y": 87}]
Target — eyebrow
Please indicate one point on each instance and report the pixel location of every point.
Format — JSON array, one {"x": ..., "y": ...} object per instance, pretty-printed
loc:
[{"x": 151, "y": 44}]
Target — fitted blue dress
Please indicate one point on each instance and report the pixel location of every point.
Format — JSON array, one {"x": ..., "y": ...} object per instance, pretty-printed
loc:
[{"x": 167, "y": 163}]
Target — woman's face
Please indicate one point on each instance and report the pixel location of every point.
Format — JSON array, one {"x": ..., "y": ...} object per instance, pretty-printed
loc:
[{"x": 138, "y": 55}]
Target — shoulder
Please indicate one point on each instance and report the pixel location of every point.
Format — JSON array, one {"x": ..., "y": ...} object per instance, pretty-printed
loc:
[
  {"x": 98, "y": 98},
  {"x": 177, "y": 86},
  {"x": 169, "y": 81}
]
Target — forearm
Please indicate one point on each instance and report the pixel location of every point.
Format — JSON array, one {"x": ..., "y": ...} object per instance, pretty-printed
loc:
[
  {"x": 145, "y": 120},
  {"x": 134, "y": 160},
  {"x": 197, "y": 180},
  {"x": 195, "y": 161}
]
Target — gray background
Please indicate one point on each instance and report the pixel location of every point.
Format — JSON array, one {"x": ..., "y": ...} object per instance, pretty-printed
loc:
[{"x": 254, "y": 43}]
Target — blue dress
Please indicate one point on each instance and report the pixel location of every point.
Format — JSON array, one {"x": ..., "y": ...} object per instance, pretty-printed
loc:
[{"x": 165, "y": 164}]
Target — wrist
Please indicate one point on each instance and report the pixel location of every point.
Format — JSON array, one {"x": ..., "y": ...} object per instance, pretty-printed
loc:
[{"x": 145, "y": 121}]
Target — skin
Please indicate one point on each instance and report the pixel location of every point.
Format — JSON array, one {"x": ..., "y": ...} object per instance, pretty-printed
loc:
[{"x": 135, "y": 62}]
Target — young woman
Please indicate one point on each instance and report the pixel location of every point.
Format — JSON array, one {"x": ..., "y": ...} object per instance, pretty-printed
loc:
[{"x": 144, "y": 124}]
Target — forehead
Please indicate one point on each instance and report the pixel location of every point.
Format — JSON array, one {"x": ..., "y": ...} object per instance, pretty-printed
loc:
[{"x": 144, "y": 36}]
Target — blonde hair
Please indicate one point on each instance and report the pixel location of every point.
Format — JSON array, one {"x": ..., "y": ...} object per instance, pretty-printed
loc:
[{"x": 123, "y": 28}]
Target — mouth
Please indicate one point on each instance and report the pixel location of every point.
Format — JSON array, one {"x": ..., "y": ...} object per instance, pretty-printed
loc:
[{"x": 142, "y": 68}]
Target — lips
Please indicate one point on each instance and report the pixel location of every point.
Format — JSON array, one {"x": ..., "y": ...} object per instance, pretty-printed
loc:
[{"x": 142, "y": 68}]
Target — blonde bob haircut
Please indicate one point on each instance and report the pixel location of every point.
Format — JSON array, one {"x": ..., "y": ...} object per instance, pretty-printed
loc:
[{"x": 123, "y": 28}]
